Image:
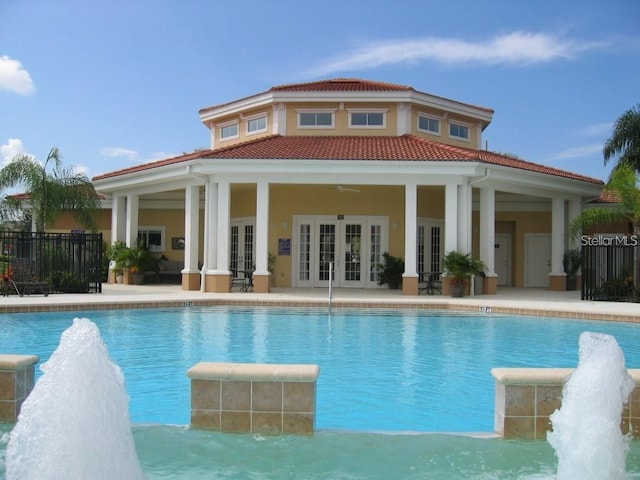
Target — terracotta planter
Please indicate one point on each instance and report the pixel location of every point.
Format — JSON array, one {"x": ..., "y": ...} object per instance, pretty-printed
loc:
[{"x": 457, "y": 290}]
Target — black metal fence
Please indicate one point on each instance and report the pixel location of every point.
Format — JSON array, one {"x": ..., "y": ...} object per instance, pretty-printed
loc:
[
  {"x": 608, "y": 270},
  {"x": 68, "y": 262}
]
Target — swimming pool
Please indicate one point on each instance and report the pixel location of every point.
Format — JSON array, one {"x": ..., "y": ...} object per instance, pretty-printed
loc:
[
  {"x": 381, "y": 370},
  {"x": 167, "y": 452}
]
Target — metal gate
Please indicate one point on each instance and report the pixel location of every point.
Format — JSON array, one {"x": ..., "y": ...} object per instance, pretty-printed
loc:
[{"x": 68, "y": 262}]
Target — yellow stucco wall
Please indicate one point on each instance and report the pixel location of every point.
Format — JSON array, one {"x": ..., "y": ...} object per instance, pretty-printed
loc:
[
  {"x": 341, "y": 126},
  {"x": 289, "y": 200},
  {"x": 444, "y": 127}
]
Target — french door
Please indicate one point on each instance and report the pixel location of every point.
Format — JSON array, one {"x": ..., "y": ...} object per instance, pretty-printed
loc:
[
  {"x": 242, "y": 247},
  {"x": 430, "y": 245},
  {"x": 350, "y": 246}
]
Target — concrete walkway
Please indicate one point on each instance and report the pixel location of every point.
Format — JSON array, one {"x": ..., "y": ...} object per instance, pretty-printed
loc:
[{"x": 527, "y": 301}]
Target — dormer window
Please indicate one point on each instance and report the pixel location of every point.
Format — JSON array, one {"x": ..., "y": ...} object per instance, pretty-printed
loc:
[
  {"x": 428, "y": 124},
  {"x": 257, "y": 124},
  {"x": 316, "y": 118},
  {"x": 459, "y": 131},
  {"x": 367, "y": 118},
  {"x": 229, "y": 130}
]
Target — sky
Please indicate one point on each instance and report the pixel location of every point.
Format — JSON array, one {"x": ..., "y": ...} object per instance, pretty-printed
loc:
[{"x": 117, "y": 83}]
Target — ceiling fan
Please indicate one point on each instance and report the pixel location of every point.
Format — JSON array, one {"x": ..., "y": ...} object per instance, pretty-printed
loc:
[{"x": 342, "y": 188}]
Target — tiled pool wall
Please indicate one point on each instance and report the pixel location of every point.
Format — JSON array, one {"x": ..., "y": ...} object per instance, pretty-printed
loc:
[
  {"x": 472, "y": 307},
  {"x": 270, "y": 399},
  {"x": 526, "y": 397},
  {"x": 17, "y": 379}
]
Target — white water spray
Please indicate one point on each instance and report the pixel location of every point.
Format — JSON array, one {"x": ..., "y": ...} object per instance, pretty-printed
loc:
[
  {"x": 75, "y": 423},
  {"x": 586, "y": 429}
]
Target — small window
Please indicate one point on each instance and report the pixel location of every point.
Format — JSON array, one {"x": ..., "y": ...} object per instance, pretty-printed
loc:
[
  {"x": 459, "y": 131},
  {"x": 229, "y": 131},
  {"x": 367, "y": 119},
  {"x": 152, "y": 238},
  {"x": 257, "y": 124},
  {"x": 315, "y": 119},
  {"x": 428, "y": 124}
]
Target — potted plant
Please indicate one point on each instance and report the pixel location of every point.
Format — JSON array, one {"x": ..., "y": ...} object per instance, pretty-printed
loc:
[
  {"x": 572, "y": 261},
  {"x": 460, "y": 267},
  {"x": 138, "y": 261},
  {"x": 390, "y": 271},
  {"x": 115, "y": 254}
]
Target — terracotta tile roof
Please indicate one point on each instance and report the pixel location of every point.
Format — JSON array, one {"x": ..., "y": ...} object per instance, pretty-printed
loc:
[
  {"x": 343, "y": 85},
  {"x": 371, "y": 148},
  {"x": 607, "y": 196}
]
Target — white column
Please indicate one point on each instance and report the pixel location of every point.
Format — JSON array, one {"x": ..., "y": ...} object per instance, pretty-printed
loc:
[
  {"x": 212, "y": 135},
  {"x": 464, "y": 218},
  {"x": 132, "y": 220},
  {"x": 224, "y": 222},
  {"x": 450, "y": 217},
  {"x": 488, "y": 229},
  {"x": 118, "y": 218},
  {"x": 262, "y": 229},
  {"x": 211, "y": 225},
  {"x": 191, "y": 228},
  {"x": 404, "y": 118},
  {"x": 575, "y": 208},
  {"x": 410, "y": 229},
  {"x": 279, "y": 121},
  {"x": 557, "y": 236}
]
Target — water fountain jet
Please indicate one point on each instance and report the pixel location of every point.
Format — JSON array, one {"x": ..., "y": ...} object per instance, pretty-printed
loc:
[
  {"x": 586, "y": 432},
  {"x": 75, "y": 423}
]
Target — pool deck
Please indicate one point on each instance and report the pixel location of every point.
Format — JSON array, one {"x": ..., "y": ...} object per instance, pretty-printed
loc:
[{"x": 529, "y": 301}]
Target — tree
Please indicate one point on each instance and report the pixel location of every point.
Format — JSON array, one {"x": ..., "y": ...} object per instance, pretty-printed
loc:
[
  {"x": 624, "y": 142},
  {"x": 623, "y": 183},
  {"x": 50, "y": 193}
]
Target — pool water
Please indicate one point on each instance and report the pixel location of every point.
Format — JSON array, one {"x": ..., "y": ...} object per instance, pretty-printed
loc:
[
  {"x": 380, "y": 370},
  {"x": 171, "y": 452}
]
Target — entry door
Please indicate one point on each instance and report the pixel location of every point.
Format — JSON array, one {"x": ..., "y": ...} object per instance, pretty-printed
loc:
[
  {"x": 538, "y": 259},
  {"x": 326, "y": 250},
  {"x": 242, "y": 248},
  {"x": 351, "y": 271},
  {"x": 340, "y": 242},
  {"x": 502, "y": 258}
]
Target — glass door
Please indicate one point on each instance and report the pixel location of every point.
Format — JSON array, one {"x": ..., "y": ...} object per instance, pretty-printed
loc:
[
  {"x": 242, "y": 249},
  {"x": 326, "y": 251},
  {"x": 351, "y": 267}
]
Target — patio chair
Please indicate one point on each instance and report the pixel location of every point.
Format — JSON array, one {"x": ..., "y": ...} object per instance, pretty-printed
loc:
[
  {"x": 23, "y": 280},
  {"x": 430, "y": 282}
]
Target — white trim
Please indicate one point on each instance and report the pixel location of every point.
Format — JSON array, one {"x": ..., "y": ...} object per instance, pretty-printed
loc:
[
  {"x": 430, "y": 117},
  {"x": 163, "y": 236},
  {"x": 314, "y": 220},
  {"x": 463, "y": 125},
  {"x": 383, "y": 111},
  {"x": 418, "y": 98},
  {"x": 332, "y": 111},
  {"x": 228, "y": 124},
  {"x": 258, "y": 116}
]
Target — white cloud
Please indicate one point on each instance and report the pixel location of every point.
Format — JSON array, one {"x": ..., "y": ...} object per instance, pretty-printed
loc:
[
  {"x": 115, "y": 152},
  {"x": 14, "y": 77},
  {"x": 596, "y": 130},
  {"x": 517, "y": 48},
  {"x": 9, "y": 150},
  {"x": 577, "y": 152}
]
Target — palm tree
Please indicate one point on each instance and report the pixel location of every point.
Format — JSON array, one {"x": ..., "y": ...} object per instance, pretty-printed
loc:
[
  {"x": 50, "y": 193},
  {"x": 623, "y": 184},
  {"x": 624, "y": 142}
]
